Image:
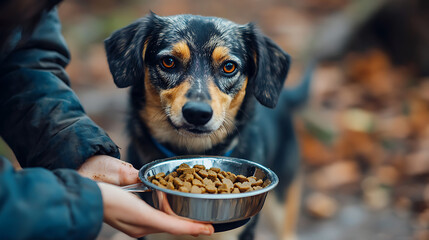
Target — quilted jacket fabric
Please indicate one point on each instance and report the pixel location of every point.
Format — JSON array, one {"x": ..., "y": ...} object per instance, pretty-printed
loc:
[{"x": 43, "y": 122}]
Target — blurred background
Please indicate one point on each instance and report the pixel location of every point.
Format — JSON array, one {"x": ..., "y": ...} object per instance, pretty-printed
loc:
[{"x": 364, "y": 133}]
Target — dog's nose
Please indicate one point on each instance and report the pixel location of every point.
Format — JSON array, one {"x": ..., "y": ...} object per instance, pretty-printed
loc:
[{"x": 197, "y": 113}]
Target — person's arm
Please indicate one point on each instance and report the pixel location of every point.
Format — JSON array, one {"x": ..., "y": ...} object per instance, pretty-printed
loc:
[
  {"x": 38, "y": 204},
  {"x": 42, "y": 119}
]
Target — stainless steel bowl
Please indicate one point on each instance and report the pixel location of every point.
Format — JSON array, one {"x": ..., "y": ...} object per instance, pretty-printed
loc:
[{"x": 211, "y": 208}]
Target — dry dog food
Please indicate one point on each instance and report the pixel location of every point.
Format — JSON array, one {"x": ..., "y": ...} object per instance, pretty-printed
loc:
[{"x": 198, "y": 179}]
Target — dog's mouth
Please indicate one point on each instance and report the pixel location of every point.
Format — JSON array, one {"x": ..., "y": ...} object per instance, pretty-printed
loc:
[
  {"x": 187, "y": 129},
  {"x": 198, "y": 131},
  {"x": 194, "y": 131}
]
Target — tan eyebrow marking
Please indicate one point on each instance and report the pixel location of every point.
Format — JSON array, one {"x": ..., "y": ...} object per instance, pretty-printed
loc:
[
  {"x": 220, "y": 54},
  {"x": 181, "y": 51}
]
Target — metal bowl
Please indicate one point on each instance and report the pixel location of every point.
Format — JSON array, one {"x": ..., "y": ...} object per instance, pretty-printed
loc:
[{"x": 211, "y": 208}]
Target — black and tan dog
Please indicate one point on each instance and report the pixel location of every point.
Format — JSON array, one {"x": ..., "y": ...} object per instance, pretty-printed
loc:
[{"x": 196, "y": 83}]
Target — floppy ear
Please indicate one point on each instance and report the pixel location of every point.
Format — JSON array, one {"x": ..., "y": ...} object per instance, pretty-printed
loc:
[
  {"x": 124, "y": 49},
  {"x": 269, "y": 67}
]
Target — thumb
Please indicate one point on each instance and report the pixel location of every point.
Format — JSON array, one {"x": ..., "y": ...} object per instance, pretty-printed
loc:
[
  {"x": 127, "y": 173},
  {"x": 110, "y": 170}
]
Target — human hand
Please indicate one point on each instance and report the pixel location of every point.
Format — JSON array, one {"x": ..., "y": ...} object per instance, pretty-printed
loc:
[
  {"x": 109, "y": 169},
  {"x": 129, "y": 214}
]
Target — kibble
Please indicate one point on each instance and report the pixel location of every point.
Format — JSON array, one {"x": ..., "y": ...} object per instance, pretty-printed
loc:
[{"x": 199, "y": 179}]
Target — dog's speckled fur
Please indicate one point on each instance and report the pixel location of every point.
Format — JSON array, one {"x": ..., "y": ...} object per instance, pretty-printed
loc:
[{"x": 200, "y": 47}]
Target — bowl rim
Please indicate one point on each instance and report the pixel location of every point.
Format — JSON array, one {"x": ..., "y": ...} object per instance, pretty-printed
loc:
[{"x": 149, "y": 166}]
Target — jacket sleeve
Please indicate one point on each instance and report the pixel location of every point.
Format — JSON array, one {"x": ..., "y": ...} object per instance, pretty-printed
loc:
[
  {"x": 39, "y": 204},
  {"x": 41, "y": 118}
]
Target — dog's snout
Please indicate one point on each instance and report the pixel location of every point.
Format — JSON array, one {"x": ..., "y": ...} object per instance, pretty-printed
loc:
[{"x": 197, "y": 113}]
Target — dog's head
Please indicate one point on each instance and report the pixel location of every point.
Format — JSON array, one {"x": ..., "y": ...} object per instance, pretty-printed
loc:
[{"x": 195, "y": 72}]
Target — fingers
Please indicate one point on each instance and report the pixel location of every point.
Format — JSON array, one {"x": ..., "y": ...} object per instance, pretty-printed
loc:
[
  {"x": 178, "y": 226},
  {"x": 131, "y": 230},
  {"x": 131, "y": 215},
  {"x": 181, "y": 227},
  {"x": 107, "y": 169}
]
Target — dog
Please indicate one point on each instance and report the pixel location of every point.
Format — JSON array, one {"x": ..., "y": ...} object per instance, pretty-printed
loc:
[{"x": 208, "y": 86}]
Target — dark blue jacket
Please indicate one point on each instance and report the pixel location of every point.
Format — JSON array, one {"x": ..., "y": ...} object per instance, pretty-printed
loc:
[{"x": 43, "y": 122}]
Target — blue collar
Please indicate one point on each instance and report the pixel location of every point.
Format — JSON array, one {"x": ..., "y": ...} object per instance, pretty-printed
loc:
[{"x": 170, "y": 154}]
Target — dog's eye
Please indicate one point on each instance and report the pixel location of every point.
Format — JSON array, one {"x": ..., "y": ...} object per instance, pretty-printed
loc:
[
  {"x": 229, "y": 67},
  {"x": 168, "y": 62}
]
